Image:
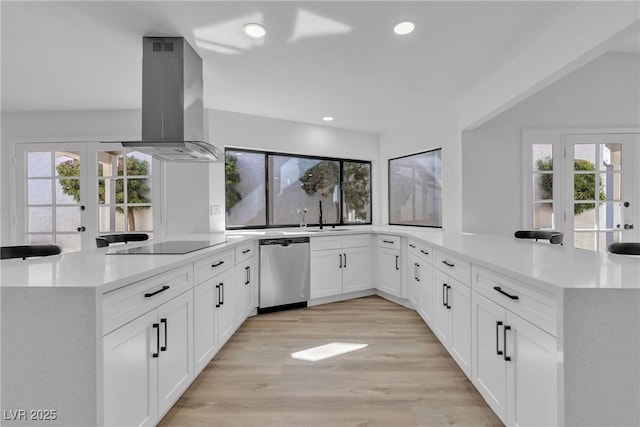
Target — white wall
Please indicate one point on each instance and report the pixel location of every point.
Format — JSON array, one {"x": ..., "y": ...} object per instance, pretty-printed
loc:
[
  {"x": 604, "y": 93},
  {"x": 417, "y": 134},
  {"x": 262, "y": 133}
]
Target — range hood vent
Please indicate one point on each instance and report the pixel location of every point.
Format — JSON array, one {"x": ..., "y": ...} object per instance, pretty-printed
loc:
[{"x": 172, "y": 106}]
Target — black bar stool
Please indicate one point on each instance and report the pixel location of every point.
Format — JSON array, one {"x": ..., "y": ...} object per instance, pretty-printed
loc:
[
  {"x": 28, "y": 251},
  {"x": 554, "y": 237},
  {"x": 625, "y": 248},
  {"x": 104, "y": 241}
]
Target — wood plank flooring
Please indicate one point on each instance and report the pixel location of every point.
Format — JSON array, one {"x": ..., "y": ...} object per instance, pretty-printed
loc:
[{"x": 404, "y": 377}]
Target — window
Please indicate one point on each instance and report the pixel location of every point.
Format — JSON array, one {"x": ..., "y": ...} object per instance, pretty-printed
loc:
[
  {"x": 415, "y": 190},
  {"x": 124, "y": 192},
  {"x": 284, "y": 190}
]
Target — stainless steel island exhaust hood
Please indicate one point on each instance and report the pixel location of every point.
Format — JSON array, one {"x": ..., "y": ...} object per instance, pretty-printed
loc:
[{"x": 172, "y": 105}]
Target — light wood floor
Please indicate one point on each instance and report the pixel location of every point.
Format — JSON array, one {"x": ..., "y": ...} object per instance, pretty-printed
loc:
[{"x": 403, "y": 378}]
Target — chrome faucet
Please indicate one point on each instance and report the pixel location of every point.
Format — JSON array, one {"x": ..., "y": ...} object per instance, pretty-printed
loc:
[{"x": 320, "y": 205}]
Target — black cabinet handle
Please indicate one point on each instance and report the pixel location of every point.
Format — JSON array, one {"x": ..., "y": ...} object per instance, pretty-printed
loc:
[
  {"x": 444, "y": 291},
  {"x": 222, "y": 289},
  {"x": 448, "y": 264},
  {"x": 397, "y": 257},
  {"x": 506, "y": 328},
  {"x": 389, "y": 241},
  {"x": 448, "y": 305},
  {"x": 424, "y": 252},
  {"x": 246, "y": 251},
  {"x": 164, "y": 288},
  {"x": 499, "y": 289},
  {"x": 340, "y": 256},
  {"x": 498, "y": 351},
  {"x": 417, "y": 269},
  {"x": 249, "y": 271},
  {"x": 218, "y": 300},
  {"x": 217, "y": 264},
  {"x": 412, "y": 246},
  {"x": 164, "y": 347},
  {"x": 345, "y": 260},
  {"x": 247, "y": 277},
  {"x": 81, "y": 229},
  {"x": 156, "y": 326}
]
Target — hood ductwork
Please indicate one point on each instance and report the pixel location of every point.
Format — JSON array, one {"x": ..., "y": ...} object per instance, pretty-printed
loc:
[{"x": 172, "y": 106}]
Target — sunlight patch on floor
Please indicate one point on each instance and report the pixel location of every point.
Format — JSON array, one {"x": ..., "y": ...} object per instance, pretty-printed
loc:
[{"x": 326, "y": 351}]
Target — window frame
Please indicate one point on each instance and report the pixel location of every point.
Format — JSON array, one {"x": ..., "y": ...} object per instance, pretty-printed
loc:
[
  {"x": 340, "y": 161},
  {"x": 389, "y": 190}
]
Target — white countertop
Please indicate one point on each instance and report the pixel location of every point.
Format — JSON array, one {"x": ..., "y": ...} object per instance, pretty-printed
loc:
[{"x": 538, "y": 263}]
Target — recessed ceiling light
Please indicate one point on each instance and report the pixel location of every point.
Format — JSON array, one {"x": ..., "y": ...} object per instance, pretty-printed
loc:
[
  {"x": 327, "y": 118},
  {"x": 255, "y": 31},
  {"x": 404, "y": 28}
]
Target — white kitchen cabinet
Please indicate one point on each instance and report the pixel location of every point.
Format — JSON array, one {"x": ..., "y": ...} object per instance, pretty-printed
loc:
[
  {"x": 452, "y": 312},
  {"x": 514, "y": 365},
  {"x": 426, "y": 303},
  {"x": 148, "y": 363},
  {"x": 214, "y": 307},
  {"x": 420, "y": 291},
  {"x": 340, "y": 264},
  {"x": 246, "y": 278},
  {"x": 413, "y": 291},
  {"x": 389, "y": 277}
]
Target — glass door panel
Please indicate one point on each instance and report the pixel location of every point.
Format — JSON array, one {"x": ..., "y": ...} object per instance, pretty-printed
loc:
[
  {"x": 602, "y": 196},
  {"x": 51, "y": 194}
]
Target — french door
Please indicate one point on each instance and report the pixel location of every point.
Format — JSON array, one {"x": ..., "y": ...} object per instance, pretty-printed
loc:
[
  {"x": 603, "y": 189},
  {"x": 68, "y": 193},
  {"x": 52, "y": 195}
]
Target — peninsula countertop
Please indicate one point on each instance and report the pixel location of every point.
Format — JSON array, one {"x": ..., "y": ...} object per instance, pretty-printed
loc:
[{"x": 538, "y": 263}]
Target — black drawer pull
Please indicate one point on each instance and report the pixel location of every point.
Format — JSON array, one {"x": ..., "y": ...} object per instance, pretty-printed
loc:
[
  {"x": 448, "y": 264},
  {"x": 164, "y": 347},
  {"x": 389, "y": 241},
  {"x": 448, "y": 305},
  {"x": 246, "y": 251},
  {"x": 149, "y": 295},
  {"x": 397, "y": 258},
  {"x": 412, "y": 246},
  {"x": 498, "y": 351},
  {"x": 217, "y": 265},
  {"x": 444, "y": 291},
  {"x": 345, "y": 260},
  {"x": 499, "y": 289},
  {"x": 156, "y": 326},
  {"x": 218, "y": 300},
  {"x": 424, "y": 252},
  {"x": 222, "y": 288}
]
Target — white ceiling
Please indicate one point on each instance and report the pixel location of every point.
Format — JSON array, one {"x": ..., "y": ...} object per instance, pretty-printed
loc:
[{"x": 319, "y": 58}]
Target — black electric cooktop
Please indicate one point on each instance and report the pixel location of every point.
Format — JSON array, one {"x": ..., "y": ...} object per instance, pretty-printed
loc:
[{"x": 174, "y": 247}]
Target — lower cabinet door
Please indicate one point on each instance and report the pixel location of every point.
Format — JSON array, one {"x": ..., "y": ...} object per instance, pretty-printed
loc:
[
  {"x": 389, "y": 276},
  {"x": 243, "y": 290},
  {"x": 413, "y": 279},
  {"x": 460, "y": 338},
  {"x": 326, "y": 273},
  {"x": 175, "y": 362},
  {"x": 226, "y": 306},
  {"x": 205, "y": 331},
  {"x": 441, "y": 324},
  {"x": 130, "y": 373},
  {"x": 356, "y": 271},
  {"x": 488, "y": 364},
  {"x": 531, "y": 375},
  {"x": 426, "y": 302}
]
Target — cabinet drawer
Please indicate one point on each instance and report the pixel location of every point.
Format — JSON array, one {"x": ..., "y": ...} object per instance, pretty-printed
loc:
[
  {"x": 325, "y": 243},
  {"x": 125, "y": 304},
  {"x": 420, "y": 250},
  {"x": 208, "y": 267},
  {"x": 356, "y": 240},
  {"x": 531, "y": 303},
  {"x": 245, "y": 251},
  {"x": 455, "y": 267},
  {"x": 387, "y": 241}
]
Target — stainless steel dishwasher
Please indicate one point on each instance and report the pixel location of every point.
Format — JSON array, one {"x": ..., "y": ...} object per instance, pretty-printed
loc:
[{"x": 284, "y": 273}]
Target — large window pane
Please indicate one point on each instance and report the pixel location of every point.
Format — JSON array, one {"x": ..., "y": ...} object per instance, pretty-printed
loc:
[
  {"x": 543, "y": 215},
  {"x": 298, "y": 183},
  {"x": 542, "y": 157},
  {"x": 415, "y": 190},
  {"x": 356, "y": 192},
  {"x": 245, "y": 189}
]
